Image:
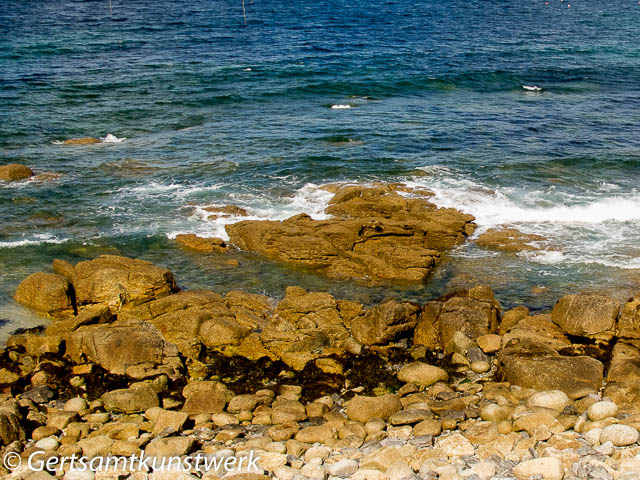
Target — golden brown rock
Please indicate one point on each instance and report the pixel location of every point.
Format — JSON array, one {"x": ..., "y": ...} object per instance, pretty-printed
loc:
[
  {"x": 508, "y": 240},
  {"x": 200, "y": 244},
  {"x": 116, "y": 281},
  {"x": 384, "y": 322},
  {"x": 591, "y": 316},
  {"x": 81, "y": 141},
  {"x": 46, "y": 293},
  {"x": 226, "y": 211},
  {"x": 14, "y": 172},
  {"x": 376, "y": 234}
]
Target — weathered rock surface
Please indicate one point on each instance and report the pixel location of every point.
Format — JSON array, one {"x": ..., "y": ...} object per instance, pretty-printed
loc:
[
  {"x": 509, "y": 240},
  {"x": 470, "y": 314},
  {"x": 375, "y": 234},
  {"x": 201, "y": 244},
  {"x": 14, "y": 172},
  {"x": 137, "y": 350},
  {"x": 46, "y": 293},
  {"x": 226, "y": 211},
  {"x": 591, "y": 316},
  {"x": 547, "y": 370},
  {"x": 117, "y": 281},
  {"x": 130, "y": 400},
  {"x": 384, "y": 322}
]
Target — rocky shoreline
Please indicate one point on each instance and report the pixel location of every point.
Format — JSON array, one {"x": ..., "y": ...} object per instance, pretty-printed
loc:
[{"x": 319, "y": 387}]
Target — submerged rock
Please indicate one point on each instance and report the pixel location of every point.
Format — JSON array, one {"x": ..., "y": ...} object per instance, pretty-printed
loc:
[
  {"x": 15, "y": 172},
  {"x": 200, "y": 244},
  {"x": 509, "y": 240},
  {"x": 81, "y": 141}
]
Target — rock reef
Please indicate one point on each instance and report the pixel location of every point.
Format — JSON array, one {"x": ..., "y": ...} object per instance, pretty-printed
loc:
[{"x": 381, "y": 232}]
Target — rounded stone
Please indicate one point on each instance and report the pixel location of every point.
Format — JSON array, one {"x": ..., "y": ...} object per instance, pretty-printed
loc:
[
  {"x": 553, "y": 399},
  {"x": 422, "y": 374},
  {"x": 374, "y": 425},
  {"x": 593, "y": 436},
  {"x": 493, "y": 413},
  {"x": 619, "y": 435},
  {"x": 48, "y": 443},
  {"x": 601, "y": 410},
  {"x": 480, "y": 366},
  {"x": 549, "y": 468},
  {"x": 76, "y": 404}
]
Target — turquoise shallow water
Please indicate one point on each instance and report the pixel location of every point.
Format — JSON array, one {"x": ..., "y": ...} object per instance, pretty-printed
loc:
[{"x": 215, "y": 112}]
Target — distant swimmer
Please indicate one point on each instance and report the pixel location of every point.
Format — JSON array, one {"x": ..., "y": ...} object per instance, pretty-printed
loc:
[{"x": 532, "y": 88}]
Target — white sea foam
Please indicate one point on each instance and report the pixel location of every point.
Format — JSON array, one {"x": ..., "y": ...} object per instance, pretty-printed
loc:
[
  {"x": 38, "y": 239},
  {"x": 532, "y": 88},
  {"x": 340, "y": 106},
  {"x": 109, "y": 138},
  {"x": 593, "y": 227},
  {"x": 309, "y": 199}
]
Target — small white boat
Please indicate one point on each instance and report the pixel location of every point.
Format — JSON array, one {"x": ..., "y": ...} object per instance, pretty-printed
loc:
[{"x": 532, "y": 88}]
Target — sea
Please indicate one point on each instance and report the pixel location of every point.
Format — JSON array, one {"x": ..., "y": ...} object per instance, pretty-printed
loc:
[{"x": 199, "y": 108}]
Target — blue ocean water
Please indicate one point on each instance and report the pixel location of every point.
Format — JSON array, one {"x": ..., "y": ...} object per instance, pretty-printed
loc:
[{"x": 216, "y": 112}]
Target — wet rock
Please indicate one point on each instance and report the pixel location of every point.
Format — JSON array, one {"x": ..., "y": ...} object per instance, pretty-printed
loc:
[
  {"x": 14, "y": 172},
  {"x": 375, "y": 233},
  {"x": 363, "y": 409},
  {"x": 200, "y": 244},
  {"x": 509, "y": 240},
  {"x": 591, "y": 316},
  {"x": 224, "y": 212},
  {"x": 81, "y": 141},
  {"x": 46, "y": 293}
]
